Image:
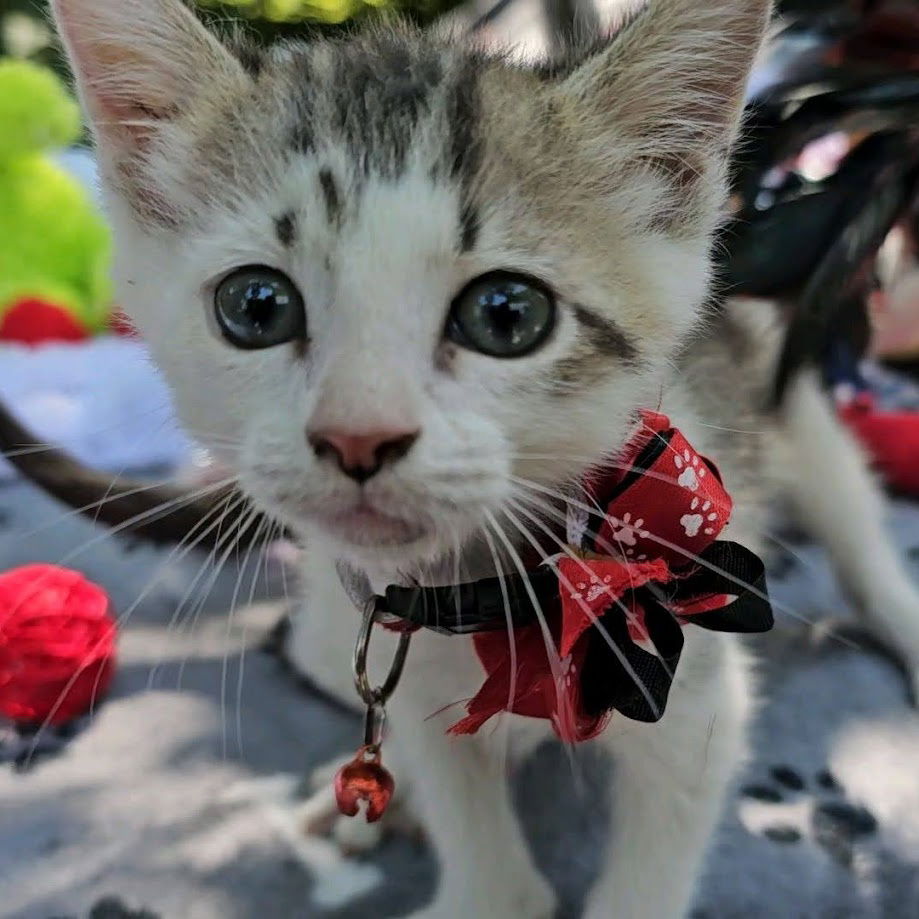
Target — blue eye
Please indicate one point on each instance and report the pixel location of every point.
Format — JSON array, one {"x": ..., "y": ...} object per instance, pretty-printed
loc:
[
  {"x": 502, "y": 315},
  {"x": 258, "y": 307}
]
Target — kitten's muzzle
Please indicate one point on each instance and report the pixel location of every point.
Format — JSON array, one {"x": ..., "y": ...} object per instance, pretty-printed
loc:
[{"x": 362, "y": 456}]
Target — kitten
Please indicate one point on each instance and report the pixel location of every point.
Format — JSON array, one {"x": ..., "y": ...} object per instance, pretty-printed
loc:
[{"x": 372, "y": 181}]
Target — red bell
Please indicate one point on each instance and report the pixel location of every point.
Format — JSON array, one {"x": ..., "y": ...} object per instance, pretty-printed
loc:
[{"x": 364, "y": 779}]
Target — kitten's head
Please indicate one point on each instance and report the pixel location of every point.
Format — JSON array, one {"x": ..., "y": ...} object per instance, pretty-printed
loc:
[{"x": 390, "y": 278}]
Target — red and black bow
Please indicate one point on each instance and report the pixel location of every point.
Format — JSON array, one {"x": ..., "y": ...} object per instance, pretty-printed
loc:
[{"x": 644, "y": 564}]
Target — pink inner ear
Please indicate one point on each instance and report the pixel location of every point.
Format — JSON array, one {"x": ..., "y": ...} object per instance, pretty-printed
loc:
[
  {"x": 123, "y": 104},
  {"x": 123, "y": 121}
]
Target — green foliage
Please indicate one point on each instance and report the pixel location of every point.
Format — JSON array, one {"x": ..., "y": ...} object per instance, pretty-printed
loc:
[
  {"x": 292, "y": 11},
  {"x": 33, "y": 99},
  {"x": 24, "y": 29},
  {"x": 56, "y": 245}
]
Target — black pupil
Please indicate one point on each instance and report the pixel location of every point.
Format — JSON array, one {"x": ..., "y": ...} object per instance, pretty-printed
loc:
[
  {"x": 504, "y": 316},
  {"x": 505, "y": 307},
  {"x": 259, "y": 308},
  {"x": 261, "y": 302}
]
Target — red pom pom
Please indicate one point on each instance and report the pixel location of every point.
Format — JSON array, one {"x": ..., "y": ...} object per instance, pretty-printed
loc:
[
  {"x": 57, "y": 644},
  {"x": 35, "y": 322}
]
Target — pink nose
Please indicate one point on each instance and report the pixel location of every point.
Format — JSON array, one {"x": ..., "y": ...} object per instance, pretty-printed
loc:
[{"x": 361, "y": 456}]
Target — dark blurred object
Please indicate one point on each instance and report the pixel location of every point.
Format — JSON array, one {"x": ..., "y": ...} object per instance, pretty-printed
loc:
[
  {"x": 812, "y": 9},
  {"x": 26, "y": 32},
  {"x": 809, "y": 238}
]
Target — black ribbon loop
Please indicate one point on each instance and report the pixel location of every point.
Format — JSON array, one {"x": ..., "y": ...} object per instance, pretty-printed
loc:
[{"x": 479, "y": 606}]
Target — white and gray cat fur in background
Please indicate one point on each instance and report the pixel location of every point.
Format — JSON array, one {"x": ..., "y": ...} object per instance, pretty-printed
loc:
[{"x": 366, "y": 401}]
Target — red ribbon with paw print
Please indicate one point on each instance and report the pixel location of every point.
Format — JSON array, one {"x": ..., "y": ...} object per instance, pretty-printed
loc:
[{"x": 644, "y": 560}]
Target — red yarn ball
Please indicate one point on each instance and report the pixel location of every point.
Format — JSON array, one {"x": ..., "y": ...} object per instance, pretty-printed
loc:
[{"x": 57, "y": 644}]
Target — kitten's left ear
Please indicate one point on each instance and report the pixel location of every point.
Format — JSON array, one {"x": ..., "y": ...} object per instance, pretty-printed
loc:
[{"x": 138, "y": 64}]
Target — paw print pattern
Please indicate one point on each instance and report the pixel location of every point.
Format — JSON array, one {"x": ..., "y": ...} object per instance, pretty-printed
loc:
[
  {"x": 116, "y": 908},
  {"x": 787, "y": 809},
  {"x": 569, "y": 671},
  {"x": 627, "y": 532},
  {"x": 691, "y": 470},
  {"x": 699, "y": 518},
  {"x": 590, "y": 591}
]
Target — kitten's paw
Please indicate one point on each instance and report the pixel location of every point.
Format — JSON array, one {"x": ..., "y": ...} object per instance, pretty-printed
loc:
[{"x": 319, "y": 816}]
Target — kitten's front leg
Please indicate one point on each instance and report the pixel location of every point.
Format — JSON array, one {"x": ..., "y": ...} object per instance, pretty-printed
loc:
[
  {"x": 459, "y": 786},
  {"x": 670, "y": 782}
]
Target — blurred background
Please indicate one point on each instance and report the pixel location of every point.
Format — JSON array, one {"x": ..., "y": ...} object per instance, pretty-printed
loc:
[
  {"x": 24, "y": 29},
  {"x": 186, "y": 794}
]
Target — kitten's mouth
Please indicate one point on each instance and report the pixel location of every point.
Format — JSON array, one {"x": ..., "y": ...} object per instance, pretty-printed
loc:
[{"x": 367, "y": 527}]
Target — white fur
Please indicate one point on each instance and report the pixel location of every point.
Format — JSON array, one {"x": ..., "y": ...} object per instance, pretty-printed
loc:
[{"x": 670, "y": 777}]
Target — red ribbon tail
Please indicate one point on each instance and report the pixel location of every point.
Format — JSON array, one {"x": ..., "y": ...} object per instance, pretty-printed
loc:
[{"x": 470, "y": 724}]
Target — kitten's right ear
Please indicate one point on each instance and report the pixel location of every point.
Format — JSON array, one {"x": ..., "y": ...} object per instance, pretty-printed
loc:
[
  {"x": 666, "y": 96},
  {"x": 138, "y": 63},
  {"x": 676, "y": 71}
]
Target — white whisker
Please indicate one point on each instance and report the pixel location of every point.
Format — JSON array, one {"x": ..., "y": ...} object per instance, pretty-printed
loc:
[
  {"x": 120, "y": 620},
  {"x": 623, "y": 660},
  {"x": 234, "y": 600},
  {"x": 228, "y": 507},
  {"x": 551, "y": 650},
  {"x": 229, "y": 540},
  {"x": 511, "y": 636},
  {"x": 262, "y": 566},
  {"x": 673, "y": 547}
]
